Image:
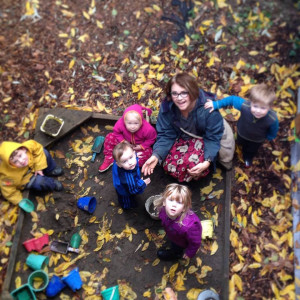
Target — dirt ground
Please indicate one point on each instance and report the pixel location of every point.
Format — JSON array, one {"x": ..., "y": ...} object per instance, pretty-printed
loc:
[
  {"x": 104, "y": 55},
  {"x": 128, "y": 255}
]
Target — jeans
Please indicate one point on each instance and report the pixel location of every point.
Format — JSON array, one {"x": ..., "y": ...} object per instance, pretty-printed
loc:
[
  {"x": 43, "y": 183},
  {"x": 249, "y": 148}
]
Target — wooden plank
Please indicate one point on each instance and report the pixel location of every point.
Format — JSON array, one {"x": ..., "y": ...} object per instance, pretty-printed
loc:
[
  {"x": 13, "y": 253},
  {"x": 72, "y": 118}
]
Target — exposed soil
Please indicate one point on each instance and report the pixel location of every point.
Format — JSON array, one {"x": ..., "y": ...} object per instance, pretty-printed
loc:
[
  {"x": 126, "y": 256},
  {"x": 104, "y": 55},
  {"x": 52, "y": 126}
]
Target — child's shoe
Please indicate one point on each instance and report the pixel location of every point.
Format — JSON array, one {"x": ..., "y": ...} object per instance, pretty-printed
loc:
[
  {"x": 106, "y": 165},
  {"x": 168, "y": 255},
  {"x": 248, "y": 163},
  {"x": 57, "y": 171},
  {"x": 58, "y": 186}
]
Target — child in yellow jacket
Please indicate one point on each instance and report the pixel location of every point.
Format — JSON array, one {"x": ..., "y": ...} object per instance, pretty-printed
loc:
[{"x": 26, "y": 166}]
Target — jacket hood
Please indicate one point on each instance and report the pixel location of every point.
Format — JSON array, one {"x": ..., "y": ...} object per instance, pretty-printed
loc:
[
  {"x": 7, "y": 148},
  {"x": 139, "y": 109}
]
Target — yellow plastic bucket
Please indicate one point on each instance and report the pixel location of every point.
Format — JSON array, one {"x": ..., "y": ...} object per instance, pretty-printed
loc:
[{"x": 207, "y": 229}]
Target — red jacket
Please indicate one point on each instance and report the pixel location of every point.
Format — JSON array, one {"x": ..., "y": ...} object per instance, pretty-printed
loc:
[{"x": 145, "y": 136}]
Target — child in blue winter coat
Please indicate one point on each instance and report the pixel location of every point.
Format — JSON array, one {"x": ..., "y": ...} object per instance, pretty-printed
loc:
[
  {"x": 257, "y": 121},
  {"x": 127, "y": 175}
]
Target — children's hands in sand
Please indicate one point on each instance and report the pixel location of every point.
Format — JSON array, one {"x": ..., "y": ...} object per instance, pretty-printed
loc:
[
  {"x": 147, "y": 180},
  {"x": 149, "y": 165},
  {"x": 39, "y": 173},
  {"x": 209, "y": 104}
]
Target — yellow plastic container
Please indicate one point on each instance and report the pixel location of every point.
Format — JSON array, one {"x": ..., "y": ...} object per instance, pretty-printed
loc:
[
  {"x": 207, "y": 229},
  {"x": 57, "y": 119}
]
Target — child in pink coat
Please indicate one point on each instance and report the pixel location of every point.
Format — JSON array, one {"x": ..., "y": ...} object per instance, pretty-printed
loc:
[{"x": 133, "y": 128}]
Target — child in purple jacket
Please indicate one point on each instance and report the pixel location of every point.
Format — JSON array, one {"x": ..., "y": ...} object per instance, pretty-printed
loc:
[
  {"x": 133, "y": 128},
  {"x": 182, "y": 225}
]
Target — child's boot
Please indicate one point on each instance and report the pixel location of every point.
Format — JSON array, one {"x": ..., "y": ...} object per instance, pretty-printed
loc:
[
  {"x": 108, "y": 162},
  {"x": 248, "y": 163},
  {"x": 57, "y": 171},
  {"x": 168, "y": 254},
  {"x": 58, "y": 186}
]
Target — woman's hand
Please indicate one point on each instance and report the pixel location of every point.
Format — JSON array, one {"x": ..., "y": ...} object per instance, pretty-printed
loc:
[
  {"x": 149, "y": 165},
  {"x": 209, "y": 104},
  {"x": 198, "y": 169},
  {"x": 39, "y": 173}
]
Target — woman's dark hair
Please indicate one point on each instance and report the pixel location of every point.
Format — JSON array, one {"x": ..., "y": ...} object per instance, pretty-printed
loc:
[{"x": 186, "y": 81}]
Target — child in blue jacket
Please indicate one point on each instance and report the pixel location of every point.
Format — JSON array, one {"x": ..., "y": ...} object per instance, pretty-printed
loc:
[
  {"x": 257, "y": 121},
  {"x": 127, "y": 175}
]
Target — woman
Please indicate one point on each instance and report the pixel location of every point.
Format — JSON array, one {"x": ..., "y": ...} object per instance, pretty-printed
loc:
[{"x": 188, "y": 136}]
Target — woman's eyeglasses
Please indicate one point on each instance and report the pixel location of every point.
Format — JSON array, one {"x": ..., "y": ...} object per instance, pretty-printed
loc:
[{"x": 182, "y": 94}]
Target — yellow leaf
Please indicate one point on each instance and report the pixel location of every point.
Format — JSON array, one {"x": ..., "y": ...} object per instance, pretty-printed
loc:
[
  {"x": 86, "y": 15},
  {"x": 211, "y": 62},
  {"x": 214, "y": 248},
  {"x": 207, "y": 22},
  {"x": 118, "y": 77},
  {"x": 156, "y": 262},
  {"x": 277, "y": 153},
  {"x": 135, "y": 88},
  {"x": 275, "y": 290},
  {"x": 7, "y": 99},
  {"x": 67, "y": 13},
  {"x": 254, "y": 266},
  {"x": 238, "y": 267},
  {"x": 156, "y": 7},
  {"x": 240, "y": 64},
  {"x": 207, "y": 190},
  {"x": 270, "y": 246},
  {"x": 83, "y": 37},
  {"x": 100, "y": 106},
  {"x": 255, "y": 218},
  {"x": 92, "y": 219},
  {"x": 18, "y": 282},
  {"x": 145, "y": 247},
  {"x": 193, "y": 293},
  {"x": 35, "y": 217},
  {"x": 253, "y": 53},
  {"x": 221, "y": 3},
  {"x": 238, "y": 282},
  {"x": 75, "y": 221},
  {"x": 192, "y": 269},
  {"x": 262, "y": 69},
  {"x": 109, "y": 127},
  {"x": 99, "y": 24},
  {"x": 199, "y": 261},
  {"x": 179, "y": 284},
  {"x": 10, "y": 124},
  {"x": 148, "y": 10},
  {"x": 18, "y": 266},
  {"x": 147, "y": 294},
  {"x": 71, "y": 64},
  {"x": 173, "y": 270},
  {"x": 257, "y": 257}
]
